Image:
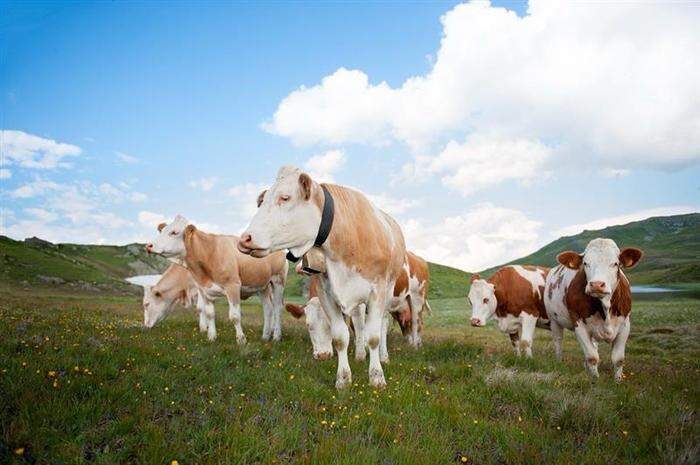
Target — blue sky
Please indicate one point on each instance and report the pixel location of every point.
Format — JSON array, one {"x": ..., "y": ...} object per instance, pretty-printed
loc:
[{"x": 481, "y": 135}]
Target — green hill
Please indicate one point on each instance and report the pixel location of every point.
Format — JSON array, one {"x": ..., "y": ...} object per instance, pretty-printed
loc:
[
  {"x": 102, "y": 268},
  {"x": 671, "y": 246}
]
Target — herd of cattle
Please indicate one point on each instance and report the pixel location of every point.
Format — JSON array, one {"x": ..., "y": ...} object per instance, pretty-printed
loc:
[{"x": 368, "y": 274}]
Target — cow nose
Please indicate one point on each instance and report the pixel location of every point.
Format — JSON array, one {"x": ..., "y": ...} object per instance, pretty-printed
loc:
[
  {"x": 149, "y": 248},
  {"x": 597, "y": 286},
  {"x": 247, "y": 239},
  {"x": 474, "y": 321}
]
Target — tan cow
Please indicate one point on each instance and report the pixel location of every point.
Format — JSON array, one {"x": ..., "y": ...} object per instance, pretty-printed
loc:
[
  {"x": 364, "y": 251},
  {"x": 175, "y": 286},
  {"x": 514, "y": 296},
  {"x": 219, "y": 269}
]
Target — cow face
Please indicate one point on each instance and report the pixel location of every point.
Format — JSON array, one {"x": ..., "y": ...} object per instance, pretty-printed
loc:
[
  {"x": 601, "y": 261},
  {"x": 482, "y": 296},
  {"x": 287, "y": 217},
  {"x": 170, "y": 241},
  {"x": 155, "y": 305},
  {"x": 318, "y": 325}
]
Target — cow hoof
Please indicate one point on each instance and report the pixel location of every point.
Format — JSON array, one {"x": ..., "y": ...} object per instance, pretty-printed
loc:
[
  {"x": 211, "y": 336},
  {"x": 277, "y": 338},
  {"x": 266, "y": 337},
  {"x": 241, "y": 339},
  {"x": 384, "y": 359},
  {"x": 203, "y": 329},
  {"x": 344, "y": 380},
  {"x": 376, "y": 378}
]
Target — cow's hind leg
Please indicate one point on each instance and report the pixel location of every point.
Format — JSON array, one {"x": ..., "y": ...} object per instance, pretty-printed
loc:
[
  {"x": 266, "y": 300},
  {"x": 201, "y": 310},
  {"x": 341, "y": 339},
  {"x": 527, "y": 332},
  {"x": 590, "y": 349},
  {"x": 233, "y": 294},
  {"x": 515, "y": 342},
  {"x": 618, "y": 349},
  {"x": 376, "y": 309},
  {"x": 358, "y": 322},
  {"x": 211, "y": 319},
  {"x": 557, "y": 337}
]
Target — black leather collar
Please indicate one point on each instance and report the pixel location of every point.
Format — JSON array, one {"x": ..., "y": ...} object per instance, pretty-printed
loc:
[{"x": 326, "y": 223}]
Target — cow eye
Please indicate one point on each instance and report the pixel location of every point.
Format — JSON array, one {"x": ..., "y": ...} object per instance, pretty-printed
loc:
[
  {"x": 486, "y": 300},
  {"x": 173, "y": 233},
  {"x": 615, "y": 265},
  {"x": 284, "y": 198},
  {"x": 585, "y": 264},
  {"x": 158, "y": 294}
]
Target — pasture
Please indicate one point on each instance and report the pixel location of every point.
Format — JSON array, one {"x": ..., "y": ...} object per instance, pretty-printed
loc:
[{"x": 81, "y": 382}]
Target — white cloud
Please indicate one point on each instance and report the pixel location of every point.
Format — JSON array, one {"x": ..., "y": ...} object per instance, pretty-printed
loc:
[
  {"x": 41, "y": 214},
  {"x": 34, "y": 188},
  {"x": 606, "y": 82},
  {"x": 393, "y": 205},
  {"x": 126, "y": 158},
  {"x": 5, "y": 173},
  {"x": 205, "y": 184},
  {"x": 138, "y": 197},
  {"x": 482, "y": 237},
  {"x": 150, "y": 220},
  {"x": 30, "y": 151},
  {"x": 322, "y": 167},
  {"x": 601, "y": 223}
]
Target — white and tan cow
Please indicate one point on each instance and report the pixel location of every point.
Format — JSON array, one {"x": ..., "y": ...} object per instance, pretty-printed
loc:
[
  {"x": 514, "y": 295},
  {"x": 219, "y": 269},
  {"x": 589, "y": 294},
  {"x": 175, "y": 287},
  {"x": 364, "y": 254}
]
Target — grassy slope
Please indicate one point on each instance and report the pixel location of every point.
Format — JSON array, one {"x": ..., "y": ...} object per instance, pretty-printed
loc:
[
  {"x": 122, "y": 395},
  {"x": 671, "y": 245}
]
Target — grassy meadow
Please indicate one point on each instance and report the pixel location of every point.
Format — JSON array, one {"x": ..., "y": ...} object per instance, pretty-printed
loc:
[{"x": 81, "y": 382}]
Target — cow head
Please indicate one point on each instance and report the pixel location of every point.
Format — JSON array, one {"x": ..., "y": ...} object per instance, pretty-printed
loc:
[
  {"x": 318, "y": 325},
  {"x": 288, "y": 217},
  {"x": 171, "y": 239},
  {"x": 601, "y": 261},
  {"x": 156, "y": 303},
  {"x": 482, "y": 297}
]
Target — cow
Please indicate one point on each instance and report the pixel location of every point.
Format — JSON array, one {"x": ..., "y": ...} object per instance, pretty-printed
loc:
[
  {"x": 590, "y": 294},
  {"x": 175, "y": 286},
  {"x": 219, "y": 269},
  {"x": 364, "y": 251},
  {"x": 514, "y": 295}
]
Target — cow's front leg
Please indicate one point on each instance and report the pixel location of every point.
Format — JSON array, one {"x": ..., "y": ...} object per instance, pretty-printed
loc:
[
  {"x": 416, "y": 308},
  {"x": 618, "y": 348},
  {"x": 211, "y": 319},
  {"x": 515, "y": 342},
  {"x": 358, "y": 322},
  {"x": 527, "y": 332},
  {"x": 590, "y": 350},
  {"x": 557, "y": 337},
  {"x": 383, "y": 348},
  {"x": 376, "y": 308},
  {"x": 276, "y": 312},
  {"x": 340, "y": 333},
  {"x": 266, "y": 300},
  {"x": 233, "y": 294},
  {"x": 201, "y": 310}
]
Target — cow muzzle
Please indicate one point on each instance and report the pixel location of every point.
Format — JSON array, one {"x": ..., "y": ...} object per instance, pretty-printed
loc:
[
  {"x": 476, "y": 322},
  {"x": 247, "y": 246},
  {"x": 597, "y": 289}
]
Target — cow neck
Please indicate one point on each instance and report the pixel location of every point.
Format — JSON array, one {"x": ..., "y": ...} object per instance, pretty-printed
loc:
[{"x": 324, "y": 229}]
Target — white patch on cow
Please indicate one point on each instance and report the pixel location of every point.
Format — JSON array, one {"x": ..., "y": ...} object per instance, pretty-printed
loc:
[
  {"x": 347, "y": 286},
  {"x": 535, "y": 278},
  {"x": 509, "y": 324},
  {"x": 482, "y": 298},
  {"x": 170, "y": 241},
  {"x": 556, "y": 285}
]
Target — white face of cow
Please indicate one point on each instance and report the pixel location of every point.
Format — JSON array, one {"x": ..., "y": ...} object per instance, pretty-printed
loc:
[
  {"x": 319, "y": 329},
  {"x": 170, "y": 241},
  {"x": 483, "y": 300},
  {"x": 601, "y": 261},
  {"x": 287, "y": 217},
  {"x": 155, "y": 306}
]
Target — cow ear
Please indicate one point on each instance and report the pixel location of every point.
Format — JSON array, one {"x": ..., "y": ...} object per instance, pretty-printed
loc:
[
  {"x": 190, "y": 229},
  {"x": 261, "y": 197},
  {"x": 475, "y": 276},
  {"x": 297, "y": 311},
  {"x": 570, "y": 259},
  {"x": 161, "y": 226},
  {"x": 305, "y": 184},
  {"x": 630, "y": 256}
]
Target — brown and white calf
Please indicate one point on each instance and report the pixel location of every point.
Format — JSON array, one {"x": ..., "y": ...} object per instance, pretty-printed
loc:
[
  {"x": 514, "y": 295},
  {"x": 589, "y": 294},
  {"x": 364, "y": 254},
  {"x": 175, "y": 287},
  {"x": 219, "y": 269}
]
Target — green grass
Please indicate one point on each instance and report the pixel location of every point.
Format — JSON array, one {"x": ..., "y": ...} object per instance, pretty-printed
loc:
[{"x": 123, "y": 395}]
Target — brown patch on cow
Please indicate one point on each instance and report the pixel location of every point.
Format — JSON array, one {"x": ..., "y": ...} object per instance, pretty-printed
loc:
[
  {"x": 514, "y": 294},
  {"x": 570, "y": 259},
  {"x": 176, "y": 286},
  {"x": 474, "y": 277},
  {"x": 161, "y": 226},
  {"x": 314, "y": 284},
  {"x": 297, "y": 311},
  {"x": 559, "y": 271},
  {"x": 401, "y": 285},
  {"x": 582, "y": 306},
  {"x": 261, "y": 197}
]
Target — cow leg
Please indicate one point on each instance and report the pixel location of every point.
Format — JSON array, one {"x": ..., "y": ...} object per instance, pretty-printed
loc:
[
  {"x": 341, "y": 339},
  {"x": 277, "y": 304},
  {"x": 618, "y": 348},
  {"x": 266, "y": 300},
  {"x": 590, "y": 350},
  {"x": 557, "y": 337},
  {"x": 527, "y": 332},
  {"x": 211, "y": 319},
  {"x": 201, "y": 310},
  {"x": 358, "y": 322},
  {"x": 515, "y": 342},
  {"x": 376, "y": 308},
  {"x": 416, "y": 307},
  {"x": 383, "y": 349},
  {"x": 233, "y": 294}
]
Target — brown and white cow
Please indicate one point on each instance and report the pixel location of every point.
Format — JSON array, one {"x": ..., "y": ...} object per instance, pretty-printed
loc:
[
  {"x": 364, "y": 254},
  {"x": 589, "y": 294},
  {"x": 220, "y": 269},
  {"x": 514, "y": 295},
  {"x": 175, "y": 286}
]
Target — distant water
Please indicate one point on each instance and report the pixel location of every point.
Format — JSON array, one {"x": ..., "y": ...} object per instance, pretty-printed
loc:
[
  {"x": 144, "y": 279},
  {"x": 651, "y": 289}
]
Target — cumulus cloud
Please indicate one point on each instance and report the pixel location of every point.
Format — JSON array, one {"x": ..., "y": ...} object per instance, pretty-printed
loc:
[
  {"x": 5, "y": 173},
  {"x": 151, "y": 220},
  {"x": 393, "y": 205},
  {"x": 126, "y": 158},
  {"x": 34, "y": 188},
  {"x": 607, "y": 82},
  {"x": 205, "y": 184},
  {"x": 41, "y": 214},
  {"x": 322, "y": 167},
  {"x": 30, "y": 151},
  {"x": 484, "y": 236}
]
